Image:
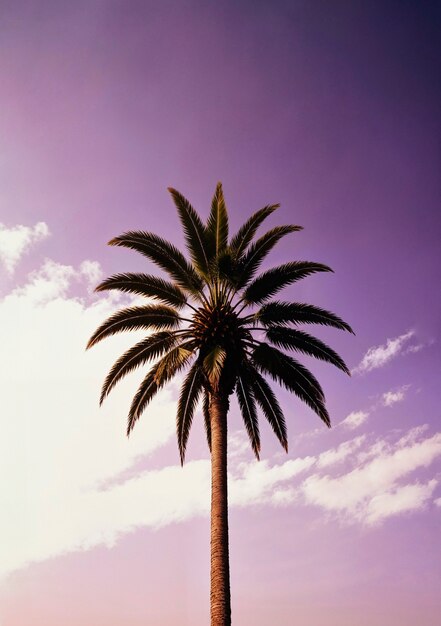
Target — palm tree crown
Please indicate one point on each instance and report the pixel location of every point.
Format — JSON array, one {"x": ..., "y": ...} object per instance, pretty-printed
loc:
[{"x": 205, "y": 317}]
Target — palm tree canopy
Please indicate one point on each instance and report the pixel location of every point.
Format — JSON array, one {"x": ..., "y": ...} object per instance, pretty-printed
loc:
[{"x": 214, "y": 317}]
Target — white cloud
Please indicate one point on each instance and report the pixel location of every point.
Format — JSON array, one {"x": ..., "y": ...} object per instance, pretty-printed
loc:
[
  {"x": 238, "y": 444},
  {"x": 355, "y": 419},
  {"x": 57, "y": 446},
  {"x": 372, "y": 492},
  {"x": 16, "y": 241},
  {"x": 392, "y": 397},
  {"x": 258, "y": 482},
  {"x": 399, "y": 500},
  {"x": 54, "y": 280},
  {"x": 380, "y": 355},
  {"x": 438, "y": 502},
  {"x": 336, "y": 455},
  {"x": 91, "y": 270}
]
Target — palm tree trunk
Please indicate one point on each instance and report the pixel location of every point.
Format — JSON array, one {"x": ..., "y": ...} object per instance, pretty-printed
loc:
[{"x": 220, "y": 568}]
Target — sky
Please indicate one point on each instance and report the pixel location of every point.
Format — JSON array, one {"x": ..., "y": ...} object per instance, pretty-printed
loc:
[{"x": 331, "y": 109}]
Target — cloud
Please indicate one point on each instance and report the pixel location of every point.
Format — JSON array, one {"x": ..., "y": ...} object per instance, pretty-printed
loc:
[
  {"x": 336, "y": 455},
  {"x": 355, "y": 419},
  {"x": 378, "y": 356},
  {"x": 258, "y": 482},
  {"x": 372, "y": 492},
  {"x": 16, "y": 241},
  {"x": 400, "y": 500},
  {"x": 57, "y": 446},
  {"x": 392, "y": 397},
  {"x": 92, "y": 272}
]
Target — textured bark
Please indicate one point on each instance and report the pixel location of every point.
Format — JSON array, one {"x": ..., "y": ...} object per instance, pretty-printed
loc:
[{"x": 220, "y": 568}]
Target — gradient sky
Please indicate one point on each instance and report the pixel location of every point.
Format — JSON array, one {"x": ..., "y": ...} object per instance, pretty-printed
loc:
[{"x": 331, "y": 109}]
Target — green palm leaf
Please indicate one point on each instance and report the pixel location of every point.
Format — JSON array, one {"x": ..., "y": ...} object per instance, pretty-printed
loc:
[
  {"x": 298, "y": 313},
  {"x": 160, "y": 373},
  {"x": 247, "y": 406},
  {"x": 172, "y": 362},
  {"x": 145, "y": 285},
  {"x": 136, "y": 318},
  {"x": 272, "y": 281},
  {"x": 270, "y": 406},
  {"x": 213, "y": 365},
  {"x": 188, "y": 399},
  {"x": 217, "y": 225},
  {"x": 257, "y": 251},
  {"x": 144, "y": 351},
  {"x": 292, "y": 375},
  {"x": 146, "y": 391},
  {"x": 165, "y": 255},
  {"x": 195, "y": 232},
  {"x": 245, "y": 234},
  {"x": 292, "y": 339}
]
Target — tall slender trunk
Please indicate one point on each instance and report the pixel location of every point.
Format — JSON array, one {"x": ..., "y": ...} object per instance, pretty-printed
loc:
[{"x": 220, "y": 567}]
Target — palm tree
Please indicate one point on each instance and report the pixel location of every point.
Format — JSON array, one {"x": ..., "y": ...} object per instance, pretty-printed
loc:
[{"x": 204, "y": 318}]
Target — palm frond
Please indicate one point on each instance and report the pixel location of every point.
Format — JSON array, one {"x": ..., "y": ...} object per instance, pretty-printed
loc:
[
  {"x": 207, "y": 418},
  {"x": 188, "y": 399},
  {"x": 146, "y": 391},
  {"x": 247, "y": 406},
  {"x": 144, "y": 351},
  {"x": 159, "y": 374},
  {"x": 194, "y": 230},
  {"x": 172, "y": 362},
  {"x": 272, "y": 281},
  {"x": 298, "y": 313},
  {"x": 293, "y": 376},
  {"x": 165, "y": 255},
  {"x": 246, "y": 232},
  {"x": 155, "y": 316},
  {"x": 217, "y": 225},
  {"x": 270, "y": 406},
  {"x": 292, "y": 339},
  {"x": 213, "y": 364},
  {"x": 257, "y": 251},
  {"x": 227, "y": 267},
  {"x": 145, "y": 285}
]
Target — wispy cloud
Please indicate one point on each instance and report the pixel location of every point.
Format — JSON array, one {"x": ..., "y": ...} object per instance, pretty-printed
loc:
[
  {"x": 256, "y": 483},
  {"x": 355, "y": 419},
  {"x": 372, "y": 492},
  {"x": 16, "y": 241},
  {"x": 393, "y": 397},
  {"x": 336, "y": 455},
  {"x": 378, "y": 356},
  {"x": 399, "y": 500}
]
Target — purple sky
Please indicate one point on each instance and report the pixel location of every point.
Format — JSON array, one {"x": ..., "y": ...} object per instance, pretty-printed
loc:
[{"x": 331, "y": 109}]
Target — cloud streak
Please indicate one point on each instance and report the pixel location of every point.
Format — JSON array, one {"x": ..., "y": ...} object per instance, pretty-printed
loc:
[
  {"x": 378, "y": 356},
  {"x": 393, "y": 397},
  {"x": 372, "y": 492},
  {"x": 16, "y": 241},
  {"x": 355, "y": 419}
]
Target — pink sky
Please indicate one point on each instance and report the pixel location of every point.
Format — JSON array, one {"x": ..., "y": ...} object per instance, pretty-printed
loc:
[{"x": 330, "y": 109}]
